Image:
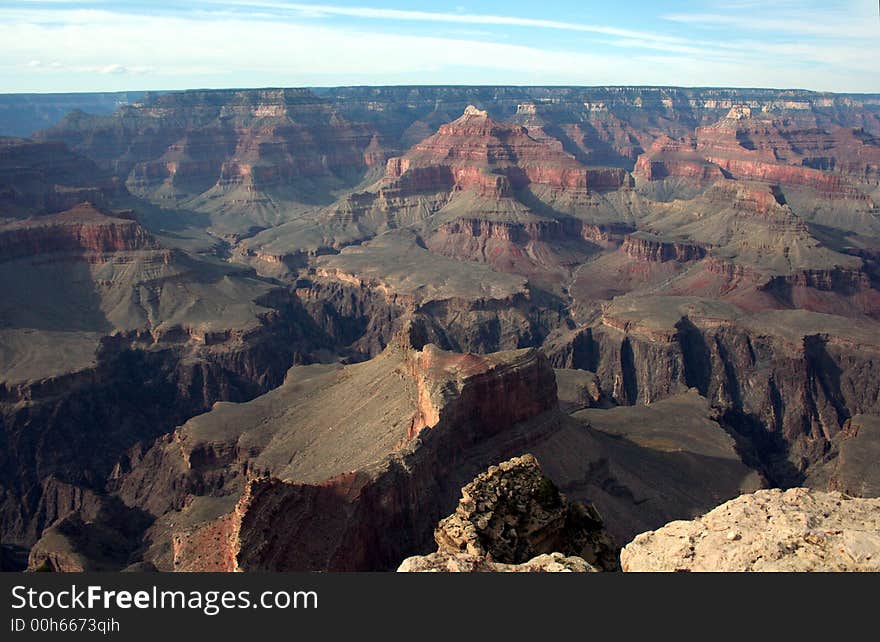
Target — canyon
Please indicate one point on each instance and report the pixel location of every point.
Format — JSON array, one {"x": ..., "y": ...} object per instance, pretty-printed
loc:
[{"x": 299, "y": 321}]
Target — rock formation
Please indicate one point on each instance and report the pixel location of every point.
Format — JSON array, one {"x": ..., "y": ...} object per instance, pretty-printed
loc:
[
  {"x": 467, "y": 563},
  {"x": 789, "y": 151},
  {"x": 428, "y": 420},
  {"x": 244, "y": 154},
  {"x": 82, "y": 229},
  {"x": 513, "y": 513},
  {"x": 770, "y": 530},
  {"x": 478, "y": 153}
]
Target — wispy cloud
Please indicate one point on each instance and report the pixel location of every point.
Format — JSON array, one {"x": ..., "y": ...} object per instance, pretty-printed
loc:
[
  {"x": 838, "y": 19},
  {"x": 795, "y": 24},
  {"x": 372, "y": 13}
]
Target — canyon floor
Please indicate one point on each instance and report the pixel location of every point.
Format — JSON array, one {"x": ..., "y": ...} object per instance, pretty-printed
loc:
[{"x": 282, "y": 329}]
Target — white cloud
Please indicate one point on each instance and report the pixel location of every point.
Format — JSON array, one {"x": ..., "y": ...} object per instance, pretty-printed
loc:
[
  {"x": 113, "y": 69},
  {"x": 104, "y": 50}
]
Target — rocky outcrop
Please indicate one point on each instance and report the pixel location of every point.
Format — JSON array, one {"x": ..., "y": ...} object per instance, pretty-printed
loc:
[
  {"x": 481, "y": 170},
  {"x": 770, "y": 530},
  {"x": 49, "y": 422},
  {"x": 791, "y": 151},
  {"x": 753, "y": 199},
  {"x": 100, "y": 535},
  {"x": 537, "y": 247},
  {"x": 795, "y": 141},
  {"x": 442, "y": 562},
  {"x": 512, "y": 513},
  {"x": 838, "y": 279},
  {"x": 107, "y": 338},
  {"x": 364, "y": 320},
  {"x": 362, "y": 295},
  {"x": 830, "y": 185},
  {"x": 546, "y": 230}
]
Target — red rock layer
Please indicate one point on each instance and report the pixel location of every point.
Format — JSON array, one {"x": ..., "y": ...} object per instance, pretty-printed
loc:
[
  {"x": 829, "y": 184},
  {"x": 667, "y": 158},
  {"x": 756, "y": 199},
  {"x": 82, "y": 229},
  {"x": 478, "y": 153},
  {"x": 788, "y": 151}
]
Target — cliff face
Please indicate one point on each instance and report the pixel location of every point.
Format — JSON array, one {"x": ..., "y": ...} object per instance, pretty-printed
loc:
[
  {"x": 362, "y": 295},
  {"x": 490, "y": 192},
  {"x": 107, "y": 337},
  {"x": 668, "y": 158},
  {"x": 543, "y": 249},
  {"x": 131, "y": 393},
  {"x": 760, "y": 142},
  {"x": 606, "y": 124},
  {"x": 645, "y": 248},
  {"x": 478, "y": 164},
  {"x": 448, "y": 415},
  {"x": 756, "y": 250},
  {"x": 83, "y": 229},
  {"x": 228, "y": 496},
  {"x": 785, "y": 386},
  {"x": 849, "y": 466}
]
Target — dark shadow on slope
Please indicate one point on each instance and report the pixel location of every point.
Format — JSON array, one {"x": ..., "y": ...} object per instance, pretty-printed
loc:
[
  {"x": 762, "y": 449},
  {"x": 636, "y": 488},
  {"x": 696, "y": 356}
]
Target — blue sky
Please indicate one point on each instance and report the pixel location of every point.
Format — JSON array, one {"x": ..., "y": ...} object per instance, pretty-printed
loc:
[{"x": 76, "y": 45}]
